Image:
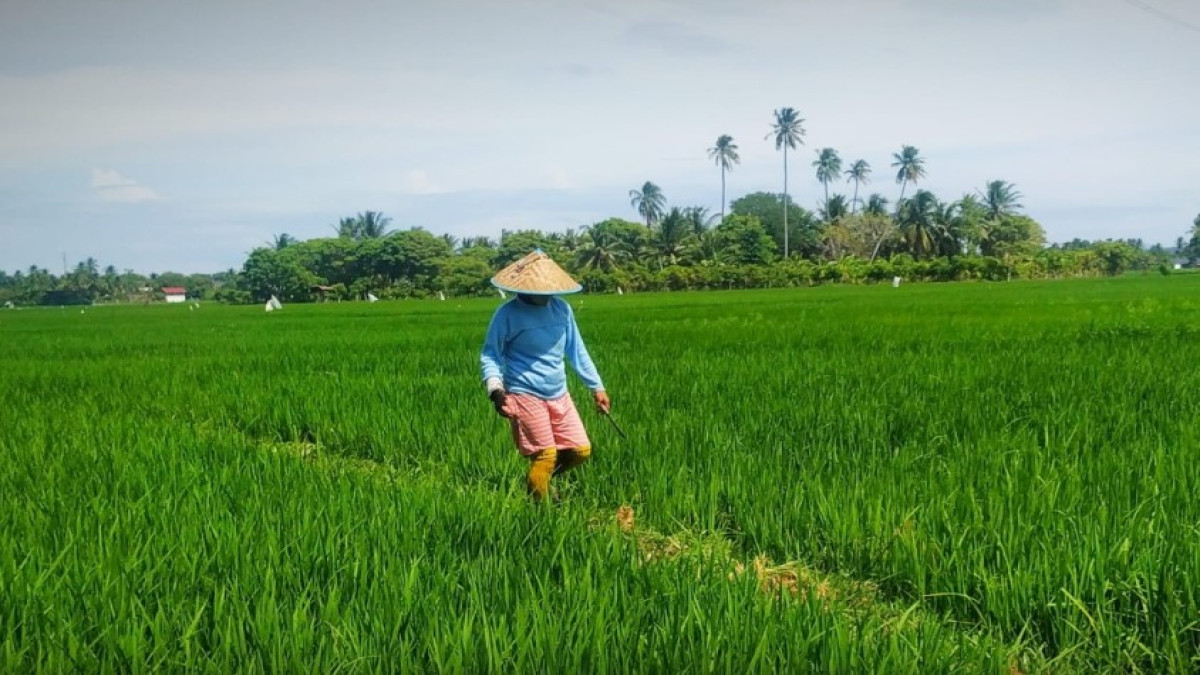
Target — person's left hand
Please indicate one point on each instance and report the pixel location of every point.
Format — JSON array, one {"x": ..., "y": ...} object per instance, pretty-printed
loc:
[
  {"x": 602, "y": 403},
  {"x": 499, "y": 402}
]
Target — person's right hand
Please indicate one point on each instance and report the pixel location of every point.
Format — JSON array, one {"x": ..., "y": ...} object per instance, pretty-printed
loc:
[
  {"x": 499, "y": 398},
  {"x": 603, "y": 405}
]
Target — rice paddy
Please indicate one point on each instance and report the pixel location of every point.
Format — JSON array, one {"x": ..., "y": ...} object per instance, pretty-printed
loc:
[{"x": 969, "y": 477}]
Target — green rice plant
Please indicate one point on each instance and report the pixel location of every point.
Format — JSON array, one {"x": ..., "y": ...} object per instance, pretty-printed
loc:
[{"x": 970, "y": 477}]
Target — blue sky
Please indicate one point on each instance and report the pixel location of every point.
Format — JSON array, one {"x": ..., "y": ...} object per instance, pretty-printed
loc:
[{"x": 170, "y": 135}]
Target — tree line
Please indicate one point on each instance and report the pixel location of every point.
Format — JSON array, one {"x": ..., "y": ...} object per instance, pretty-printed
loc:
[
  {"x": 87, "y": 283},
  {"x": 685, "y": 249}
]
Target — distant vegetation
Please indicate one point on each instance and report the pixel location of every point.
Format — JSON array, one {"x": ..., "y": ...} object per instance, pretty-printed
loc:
[{"x": 684, "y": 249}]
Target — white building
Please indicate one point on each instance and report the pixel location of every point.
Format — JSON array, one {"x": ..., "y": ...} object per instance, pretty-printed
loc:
[{"x": 175, "y": 294}]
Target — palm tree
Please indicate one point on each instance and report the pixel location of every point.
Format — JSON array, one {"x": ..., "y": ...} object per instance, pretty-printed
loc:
[
  {"x": 600, "y": 250},
  {"x": 649, "y": 202},
  {"x": 969, "y": 223},
  {"x": 672, "y": 235},
  {"x": 698, "y": 219},
  {"x": 640, "y": 248},
  {"x": 85, "y": 277},
  {"x": 478, "y": 242},
  {"x": 829, "y": 167},
  {"x": 372, "y": 225},
  {"x": 710, "y": 248},
  {"x": 876, "y": 205},
  {"x": 569, "y": 241},
  {"x": 911, "y": 168},
  {"x": 111, "y": 280},
  {"x": 834, "y": 210},
  {"x": 451, "y": 241},
  {"x": 919, "y": 222},
  {"x": 832, "y": 214},
  {"x": 951, "y": 230},
  {"x": 347, "y": 228},
  {"x": 859, "y": 172},
  {"x": 366, "y": 225},
  {"x": 1000, "y": 198},
  {"x": 787, "y": 131},
  {"x": 282, "y": 241},
  {"x": 724, "y": 153}
]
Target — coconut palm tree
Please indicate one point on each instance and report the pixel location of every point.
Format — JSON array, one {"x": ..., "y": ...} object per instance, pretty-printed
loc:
[
  {"x": 649, "y": 202},
  {"x": 911, "y": 168},
  {"x": 347, "y": 228},
  {"x": 970, "y": 224},
  {"x": 951, "y": 231},
  {"x": 829, "y": 167},
  {"x": 859, "y": 172},
  {"x": 918, "y": 221},
  {"x": 372, "y": 225},
  {"x": 876, "y": 205},
  {"x": 479, "y": 242},
  {"x": 600, "y": 250},
  {"x": 710, "y": 248},
  {"x": 724, "y": 153},
  {"x": 112, "y": 282},
  {"x": 570, "y": 241},
  {"x": 670, "y": 241},
  {"x": 787, "y": 130},
  {"x": 834, "y": 210},
  {"x": 282, "y": 241},
  {"x": 1000, "y": 198},
  {"x": 698, "y": 219}
]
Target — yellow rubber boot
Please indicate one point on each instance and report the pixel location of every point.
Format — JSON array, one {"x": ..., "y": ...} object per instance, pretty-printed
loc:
[
  {"x": 569, "y": 459},
  {"x": 541, "y": 467}
]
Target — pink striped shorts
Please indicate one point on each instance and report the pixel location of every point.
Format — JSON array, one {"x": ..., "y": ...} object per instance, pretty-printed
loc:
[{"x": 539, "y": 424}]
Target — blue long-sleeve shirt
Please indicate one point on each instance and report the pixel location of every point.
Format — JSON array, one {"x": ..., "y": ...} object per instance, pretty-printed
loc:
[{"x": 526, "y": 346}]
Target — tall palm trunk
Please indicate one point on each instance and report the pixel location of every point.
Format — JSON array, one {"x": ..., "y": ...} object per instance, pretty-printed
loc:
[
  {"x": 854, "y": 204},
  {"x": 785, "y": 204},
  {"x": 722, "y": 194}
]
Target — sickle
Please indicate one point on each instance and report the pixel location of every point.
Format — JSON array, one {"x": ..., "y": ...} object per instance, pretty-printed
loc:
[{"x": 616, "y": 426}]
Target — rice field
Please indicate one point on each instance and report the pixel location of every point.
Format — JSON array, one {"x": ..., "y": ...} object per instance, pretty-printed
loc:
[{"x": 936, "y": 478}]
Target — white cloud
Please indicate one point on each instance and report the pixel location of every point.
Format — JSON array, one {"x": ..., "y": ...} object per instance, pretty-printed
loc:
[{"x": 111, "y": 186}]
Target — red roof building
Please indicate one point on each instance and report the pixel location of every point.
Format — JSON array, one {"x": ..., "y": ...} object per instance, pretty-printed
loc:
[{"x": 175, "y": 293}]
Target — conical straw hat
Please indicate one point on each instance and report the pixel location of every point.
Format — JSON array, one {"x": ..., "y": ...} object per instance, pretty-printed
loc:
[{"x": 535, "y": 274}]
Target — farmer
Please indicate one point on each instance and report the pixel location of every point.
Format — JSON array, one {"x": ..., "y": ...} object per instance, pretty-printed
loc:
[{"x": 522, "y": 361}]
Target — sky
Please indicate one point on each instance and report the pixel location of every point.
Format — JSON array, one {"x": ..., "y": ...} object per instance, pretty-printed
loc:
[{"x": 168, "y": 135}]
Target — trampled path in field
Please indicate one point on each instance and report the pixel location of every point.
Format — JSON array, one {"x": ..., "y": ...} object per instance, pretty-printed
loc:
[{"x": 713, "y": 554}]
